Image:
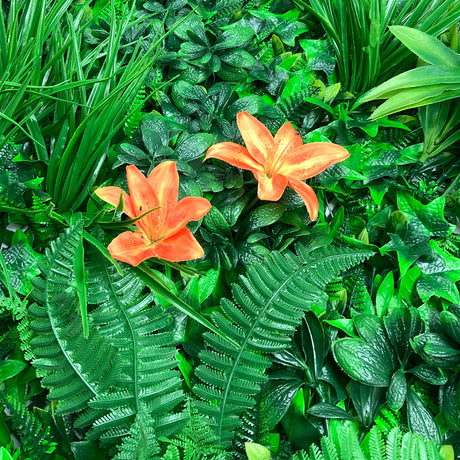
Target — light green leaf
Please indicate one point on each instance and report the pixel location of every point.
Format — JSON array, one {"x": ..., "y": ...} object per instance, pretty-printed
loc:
[{"x": 426, "y": 47}]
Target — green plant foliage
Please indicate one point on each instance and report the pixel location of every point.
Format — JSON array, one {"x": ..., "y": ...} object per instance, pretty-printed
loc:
[
  {"x": 72, "y": 367},
  {"x": 396, "y": 445},
  {"x": 35, "y": 438},
  {"x": 130, "y": 322},
  {"x": 268, "y": 305}
]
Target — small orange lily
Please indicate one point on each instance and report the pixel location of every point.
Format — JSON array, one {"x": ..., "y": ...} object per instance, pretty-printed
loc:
[
  {"x": 162, "y": 232},
  {"x": 280, "y": 161}
]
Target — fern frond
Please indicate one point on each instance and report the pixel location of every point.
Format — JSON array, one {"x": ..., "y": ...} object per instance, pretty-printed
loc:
[
  {"x": 141, "y": 443},
  {"x": 294, "y": 107},
  {"x": 268, "y": 304},
  {"x": 128, "y": 318},
  {"x": 35, "y": 438},
  {"x": 196, "y": 440},
  {"x": 73, "y": 368}
]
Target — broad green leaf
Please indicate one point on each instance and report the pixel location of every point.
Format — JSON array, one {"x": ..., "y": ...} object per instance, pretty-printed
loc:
[
  {"x": 426, "y": 47},
  {"x": 362, "y": 362},
  {"x": 10, "y": 367},
  {"x": 385, "y": 295},
  {"x": 424, "y": 220},
  {"x": 429, "y": 374},
  {"x": 450, "y": 323},
  {"x": 417, "y": 97},
  {"x": 419, "y": 77},
  {"x": 234, "y": 37},
  {"x": 262, "y": 216},
  {"x": 194, "y": 146},
  {"x": 448, "y": 401},
  {"x": 420, "y": 419},
  {"x": 326, "y": 410},
  {"x": 216, "y": 223},
  {"x": 256, "y": 451},
  {"x": 396, "y": 394},
  {"x": 439, "y": 273},
  {"x": 238, "y": 58}
]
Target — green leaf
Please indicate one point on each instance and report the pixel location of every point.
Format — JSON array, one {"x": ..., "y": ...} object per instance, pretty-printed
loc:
[
  {"x": 238, "y": 58},
  {"x": 424, "y": 220},
  {"x": 262, "y": 216},
  {"x": 256, "y": 451},
  {"x": 439, "y": 273},
  {"x": 396, "y": 394},
  {"x": 385, "y": 295},
  {"x": 448, "y": 401},
  {"x": 234, "y": 37},
  {"x": 362, "y": 362},
  {"x": 426, "y": 47},
  {"x": 326, "y": 410},
  {"x": 216, "y": 223},
  {"x": 426, "y": 76},
  {"x": 420, "y": 419},
  {"x": 10, "y": 367},
  {"x": 194, "y": 146},
  {"x": 417, "y": 97}
]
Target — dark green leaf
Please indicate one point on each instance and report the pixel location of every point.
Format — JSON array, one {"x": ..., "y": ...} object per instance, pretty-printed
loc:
[
  {"x": 362, "y": 362},
  {"x": 396, "y": 394},
  {"x": 194, "y": 146},
  {"x": 10, "y": 367},
  {"x": 420, "y": 419},
  {"x": 325, "y": 410}
]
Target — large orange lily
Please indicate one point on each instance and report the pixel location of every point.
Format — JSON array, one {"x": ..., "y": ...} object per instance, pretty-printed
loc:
[
  {"x": 162, "y": 232},
  {"x": 280, "y": 161}
]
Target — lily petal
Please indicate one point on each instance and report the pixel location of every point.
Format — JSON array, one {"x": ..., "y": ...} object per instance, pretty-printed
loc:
[
  {"x": 143, "y": 198},
  {"x": 188, "y": 209},
  {"x": 132, "y": 248},
  {"x": 112, "y": 195},
  {"x": 179, "y": 247},
  {"x": 308, "y": 196},
  {"x": 309, "y": 160},
  {"x": 164, "y": 179},
  {"x": 234, "y": 154},
  {"x": 270, "y": 188},
  {"x": 258, "y": 139}
]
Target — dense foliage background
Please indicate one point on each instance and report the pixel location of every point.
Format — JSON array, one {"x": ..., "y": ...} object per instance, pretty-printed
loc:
[{"x": 334, "y": 339}]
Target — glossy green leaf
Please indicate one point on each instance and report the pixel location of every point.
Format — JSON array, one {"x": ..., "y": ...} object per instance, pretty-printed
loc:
[
  {"x": 417, "y": 97},
  {"x": 439, "y": 273},
  {"x": 256, "y": 451},
  {"x": 194, "y": 146},
  {"x": 426, "y": 46},
  {"x": 362, "y": 362},
  {"x": 10, "y": 367},
  {"x": 451, "y": 325},
  {"x": 262, "y": 216},
  {"x": 238, "y": 58},
  {"x": 448, "y": 401},
  {"x": 384, "y": 298},
  {"x": 420, "y": 419},
  {"x": 429, "y": 374},
  {"x": 326, "y": 410},
  {"x": 397, "y": 390}
]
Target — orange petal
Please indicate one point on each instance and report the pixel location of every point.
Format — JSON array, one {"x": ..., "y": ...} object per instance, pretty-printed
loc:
[
  {"x": 164, "y": 179},
  {"x": 310, "y": 159},
  {"x": 112, "y": 195},
  {"x": 179, "y": 247},
  {"x": 143, "y": 198},
  {"x": 258, "y": 139},
  {"x": 270, "y": 188},
  {"x": 234, "y": 154},
  {"x": 188, "y": 209},
  {"x": 308, "y": 196},
  {"x": 132, "y": 248}
]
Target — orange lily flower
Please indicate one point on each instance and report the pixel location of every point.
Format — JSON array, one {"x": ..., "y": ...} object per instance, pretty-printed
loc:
[
  {"x": 280, "y": 161},
  {"x": 162, "y": 232}
]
